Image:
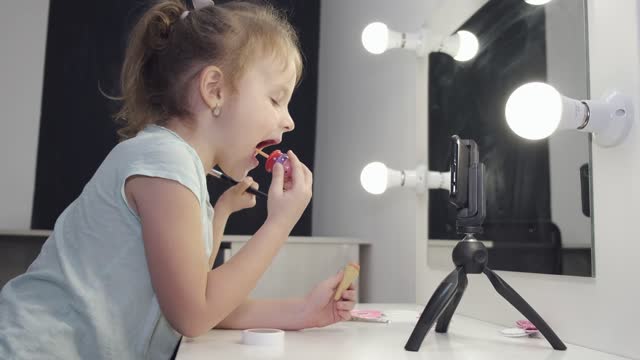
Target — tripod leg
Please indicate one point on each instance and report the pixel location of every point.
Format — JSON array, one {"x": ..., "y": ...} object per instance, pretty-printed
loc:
[
  {"x": 436, "y": 305},
  {"x": 443, "y": 321},
  {"x": 521, "y": 305}
]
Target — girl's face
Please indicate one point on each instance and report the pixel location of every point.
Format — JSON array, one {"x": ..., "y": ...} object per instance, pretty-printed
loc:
[{"x": 255, "y": 116}]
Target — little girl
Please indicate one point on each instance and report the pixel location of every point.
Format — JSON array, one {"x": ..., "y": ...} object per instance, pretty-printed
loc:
[{"x": 126, "y": 271}]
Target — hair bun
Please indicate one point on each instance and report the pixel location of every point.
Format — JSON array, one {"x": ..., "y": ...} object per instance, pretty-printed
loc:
[{"x": 161, "y": 22}]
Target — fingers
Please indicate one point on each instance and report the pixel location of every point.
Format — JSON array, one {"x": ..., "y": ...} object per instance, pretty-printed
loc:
[
  {"x": 344, "y": 315},
  {"x": 345, "y": 305},
  {"x": 300, "y": 177},
  {"x": 288, "y": 184},
  {"x": 297, "y": 172},
  {"x": 255, "y": 185},
  {"x": 243, "y": 185},
  {"x": 335, "y": 280},
  {"x": 308, "y": 175},
  {"x": 253, "y": 199},
  {"x": 277, "y": 180},
  {"x": 349, "y": 295}
]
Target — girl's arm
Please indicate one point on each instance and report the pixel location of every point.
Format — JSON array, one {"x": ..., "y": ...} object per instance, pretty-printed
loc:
[
  {"x": 220, "y": 217},
  {"x": 233, "y": 199},
  {"x": 317, "y": 309},
  {"x": 287, "y": 314},
  {"x": 192, "y": 298}
]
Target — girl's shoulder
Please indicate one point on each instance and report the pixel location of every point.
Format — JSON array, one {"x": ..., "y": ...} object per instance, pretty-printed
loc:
[
  {"x": 156, "y": 144},
  {"x": 158, "y": 152}
]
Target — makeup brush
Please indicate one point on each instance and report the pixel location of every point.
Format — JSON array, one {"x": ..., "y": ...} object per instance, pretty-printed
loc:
[
  {"x": 220, "y": 175},
  {"x": 351, "y": 272},
  {"x": 264, "y": 154}
]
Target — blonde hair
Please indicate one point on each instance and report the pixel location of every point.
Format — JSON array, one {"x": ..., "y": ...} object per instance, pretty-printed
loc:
[{"x": 165, "y": 53}]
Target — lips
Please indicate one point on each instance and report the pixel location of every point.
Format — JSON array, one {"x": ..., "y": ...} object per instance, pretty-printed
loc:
[{"x": 266, "y": 143}]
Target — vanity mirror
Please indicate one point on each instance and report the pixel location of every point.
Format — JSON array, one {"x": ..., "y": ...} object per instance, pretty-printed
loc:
[{"x": 539, "y": 216}]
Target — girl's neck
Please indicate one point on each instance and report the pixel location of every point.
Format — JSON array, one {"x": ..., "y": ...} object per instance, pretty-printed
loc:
[{"x": 188, "y": 132}]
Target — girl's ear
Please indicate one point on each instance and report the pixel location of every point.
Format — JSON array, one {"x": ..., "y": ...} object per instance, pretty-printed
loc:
[{"x": 211, "y": 86}]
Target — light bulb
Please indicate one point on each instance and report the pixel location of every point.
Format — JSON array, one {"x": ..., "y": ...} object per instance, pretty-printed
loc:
[
  {"x": 462, "y": 46},
  {"x": 374, "y": 178},
  {"x": 537, "y": 2},
  {"x": 467, "y": 46},
  {"x": 375, "y": 38},
  {"x": 378, "y": 38},
  {"x": 534, "y": 110}
]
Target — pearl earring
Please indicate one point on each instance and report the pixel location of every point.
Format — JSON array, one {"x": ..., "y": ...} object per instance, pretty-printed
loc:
[{"x": 216, "y": 110}]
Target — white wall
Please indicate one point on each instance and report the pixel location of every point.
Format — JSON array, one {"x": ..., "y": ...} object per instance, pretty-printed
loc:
[
  {"x": 603, "y": 312},
  {"x": 366, "y": 112},
  {"x": 23, "y": 35}
]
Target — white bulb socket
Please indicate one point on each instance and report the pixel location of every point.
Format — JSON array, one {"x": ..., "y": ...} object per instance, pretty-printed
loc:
[
  {"x": 377, "y": 38},
  {"x": 439, "y": 180},
  {"x": 376, "y": 178}
]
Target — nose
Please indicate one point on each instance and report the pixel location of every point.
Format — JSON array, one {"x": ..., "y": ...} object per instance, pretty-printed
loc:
[{"x": 287, "y": 122}]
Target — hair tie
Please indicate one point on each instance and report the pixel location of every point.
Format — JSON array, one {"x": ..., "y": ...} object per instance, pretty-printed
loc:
[{"x": 197, "y": 4}]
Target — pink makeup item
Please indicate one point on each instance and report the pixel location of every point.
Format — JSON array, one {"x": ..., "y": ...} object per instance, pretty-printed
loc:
[
  {"x": 277, "y": 156},
  {"x": 527, "y": 326},
  {"x": 524, "y": 328},
  {"x": 374, "y": 316},
  {"x": 367, "y": 314}
]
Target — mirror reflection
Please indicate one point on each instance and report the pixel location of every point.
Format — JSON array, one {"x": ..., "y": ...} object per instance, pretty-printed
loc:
[{"x": 539, "y": 215}]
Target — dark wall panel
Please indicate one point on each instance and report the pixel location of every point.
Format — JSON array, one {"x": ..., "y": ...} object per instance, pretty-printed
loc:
[{"x": 85, "y": 47}]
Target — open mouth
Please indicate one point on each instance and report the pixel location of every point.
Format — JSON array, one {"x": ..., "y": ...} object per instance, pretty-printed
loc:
[{"x": 266, "y": 143}]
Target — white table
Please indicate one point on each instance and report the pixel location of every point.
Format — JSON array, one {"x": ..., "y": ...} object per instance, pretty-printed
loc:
[
  {"x": 314, "y": 259},
  {"x": 467, "y": 339}
]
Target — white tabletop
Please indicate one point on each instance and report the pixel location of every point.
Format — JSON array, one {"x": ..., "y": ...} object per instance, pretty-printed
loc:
[
  {"x": 467, "y": 339},
  {"x": 303, "y": 240}
]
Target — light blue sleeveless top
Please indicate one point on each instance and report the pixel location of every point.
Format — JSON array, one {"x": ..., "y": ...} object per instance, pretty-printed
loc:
[{"x": 88, "y": 294}]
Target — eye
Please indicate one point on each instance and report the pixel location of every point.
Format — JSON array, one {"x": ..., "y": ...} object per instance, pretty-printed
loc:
[{"x": 275, "y": 102}]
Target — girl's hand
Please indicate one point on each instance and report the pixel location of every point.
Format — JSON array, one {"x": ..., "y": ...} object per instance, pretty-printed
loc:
[
  {"x": 287, "y": 201},
  {"x": 320, "y": 308},
  {"x": 237, "y": 198}
]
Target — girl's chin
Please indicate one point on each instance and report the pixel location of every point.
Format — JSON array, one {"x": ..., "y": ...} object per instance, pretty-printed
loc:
[
  {"x": 241, "y": 170},
  {"x": 239, "y": 174}
]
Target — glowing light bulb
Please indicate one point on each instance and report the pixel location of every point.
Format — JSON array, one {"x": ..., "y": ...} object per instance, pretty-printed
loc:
[
  {"x": 374, "y": 178},
  {"x": 534, "y": 110},
  {"x": 375, "y": 38},
  {"x": 467, "y": 46},
  {"x": 537, "y": 2}
]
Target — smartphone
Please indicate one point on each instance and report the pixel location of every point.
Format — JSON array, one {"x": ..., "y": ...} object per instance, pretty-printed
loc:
[{"x": 459, "y": 167}]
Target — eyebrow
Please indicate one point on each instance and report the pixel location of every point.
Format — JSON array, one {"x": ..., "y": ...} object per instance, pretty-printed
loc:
[{"x": 284, "y": 89}]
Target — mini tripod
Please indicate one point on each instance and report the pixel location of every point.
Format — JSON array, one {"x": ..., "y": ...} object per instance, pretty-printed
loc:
[{"x": 470, "y": 256}]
